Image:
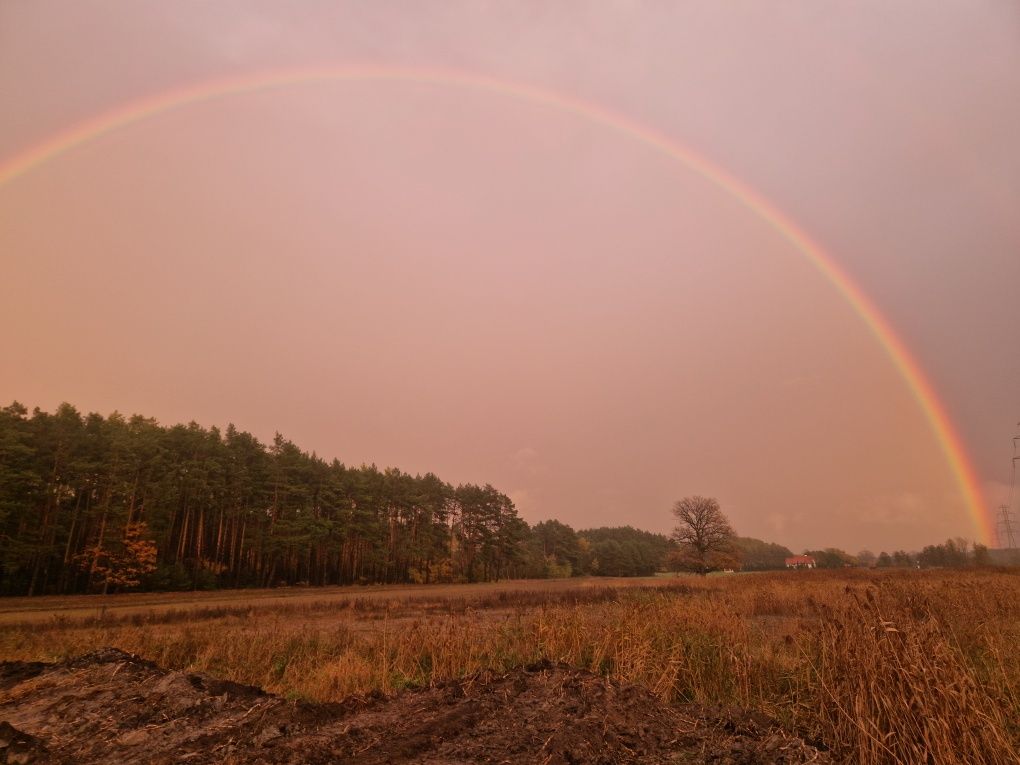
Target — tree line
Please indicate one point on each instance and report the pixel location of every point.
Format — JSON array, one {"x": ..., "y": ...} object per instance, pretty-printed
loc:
[
  {"x": 102, "y": 504},
  {"x": 89, "y": 504},
  {"x": 557, "y": 550},
  {"x": 98, "y": 504},
  {"x": 953, "y": 553},
  {"x": 705, "y": 542}
]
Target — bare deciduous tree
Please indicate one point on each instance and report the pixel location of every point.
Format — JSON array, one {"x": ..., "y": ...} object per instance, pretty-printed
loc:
[{"x": 705, "y": 539}]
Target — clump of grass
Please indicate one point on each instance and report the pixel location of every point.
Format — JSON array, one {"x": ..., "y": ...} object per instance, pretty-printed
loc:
[{"x": 890, "y": 685}]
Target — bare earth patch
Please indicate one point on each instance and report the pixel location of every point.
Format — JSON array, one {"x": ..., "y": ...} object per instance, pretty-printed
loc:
[{"x": 113, "y": 707}]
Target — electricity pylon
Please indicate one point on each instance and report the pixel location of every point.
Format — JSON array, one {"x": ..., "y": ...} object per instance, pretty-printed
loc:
[
  {"x": 1004, "y": 525},
  {"x": 1005, "y": 528}
]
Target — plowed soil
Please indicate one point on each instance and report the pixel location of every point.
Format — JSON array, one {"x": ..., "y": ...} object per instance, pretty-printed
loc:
[{"x": 112, "y": 707}]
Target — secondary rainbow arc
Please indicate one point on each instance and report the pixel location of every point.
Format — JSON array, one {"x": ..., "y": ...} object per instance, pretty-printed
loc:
[{"x": 909, "y": 369}]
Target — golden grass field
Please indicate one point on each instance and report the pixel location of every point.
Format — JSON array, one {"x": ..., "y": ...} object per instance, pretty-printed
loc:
[{"x": 892, "y": 667}]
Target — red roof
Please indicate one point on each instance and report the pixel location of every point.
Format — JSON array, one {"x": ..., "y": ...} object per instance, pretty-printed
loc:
[{"x": 799, "y": 559}]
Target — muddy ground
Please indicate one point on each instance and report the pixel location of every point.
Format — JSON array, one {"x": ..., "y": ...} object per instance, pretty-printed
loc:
[{"x": 112, "y": 707}]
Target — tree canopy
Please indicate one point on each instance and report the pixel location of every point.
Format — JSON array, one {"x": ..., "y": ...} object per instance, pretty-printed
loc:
[
  {"x": 89, "y": 503},
  {"x": 705, "y": 540},
  {"x": 757, "y": 555},
  {"x": 98, "y": 504},
  {"x": 626, "y": 551}
]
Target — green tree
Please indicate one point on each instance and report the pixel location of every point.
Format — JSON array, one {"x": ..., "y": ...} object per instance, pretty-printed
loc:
[
  {"x": 82, "y": 497},
  {"x": 646, "y": 551},
  {"x": 559, "y": 547},
  {"x": 866, "y": 559},
  {"x": 757, "y": 555},
  {"x": 612, "y": 559},
  {"x": 832, "y": 557}
]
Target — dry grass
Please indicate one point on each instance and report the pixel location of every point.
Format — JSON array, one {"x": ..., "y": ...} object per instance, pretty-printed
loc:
[
  {"x": 902, "y": 667},
  {"x": 150, "y": 605}
]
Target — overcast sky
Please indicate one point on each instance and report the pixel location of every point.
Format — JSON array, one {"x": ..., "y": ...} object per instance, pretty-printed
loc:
[{"x": 441, "y": 278}]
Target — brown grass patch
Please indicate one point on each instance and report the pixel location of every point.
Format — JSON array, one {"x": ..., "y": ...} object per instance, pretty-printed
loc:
[{"x": 899, "y": 667}]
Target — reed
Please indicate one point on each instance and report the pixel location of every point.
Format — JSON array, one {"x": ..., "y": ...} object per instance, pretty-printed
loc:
[{"x": 899, "y": 667}]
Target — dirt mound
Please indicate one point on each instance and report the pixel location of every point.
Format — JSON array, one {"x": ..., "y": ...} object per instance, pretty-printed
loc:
[{"x": 112, "y": 707}]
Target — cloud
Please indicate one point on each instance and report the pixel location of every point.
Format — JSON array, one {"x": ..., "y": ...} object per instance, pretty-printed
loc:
[{"x": 527, "y": 460}]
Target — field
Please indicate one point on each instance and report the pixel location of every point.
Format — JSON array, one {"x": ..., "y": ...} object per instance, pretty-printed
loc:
[{"x": 854, "y": 666}]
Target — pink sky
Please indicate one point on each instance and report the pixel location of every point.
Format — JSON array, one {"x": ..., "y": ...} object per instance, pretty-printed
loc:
[{"x": 497, "y": 291}]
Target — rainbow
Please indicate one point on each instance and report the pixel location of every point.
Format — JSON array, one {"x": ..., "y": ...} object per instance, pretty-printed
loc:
[{"x": 146, "y": 108}]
